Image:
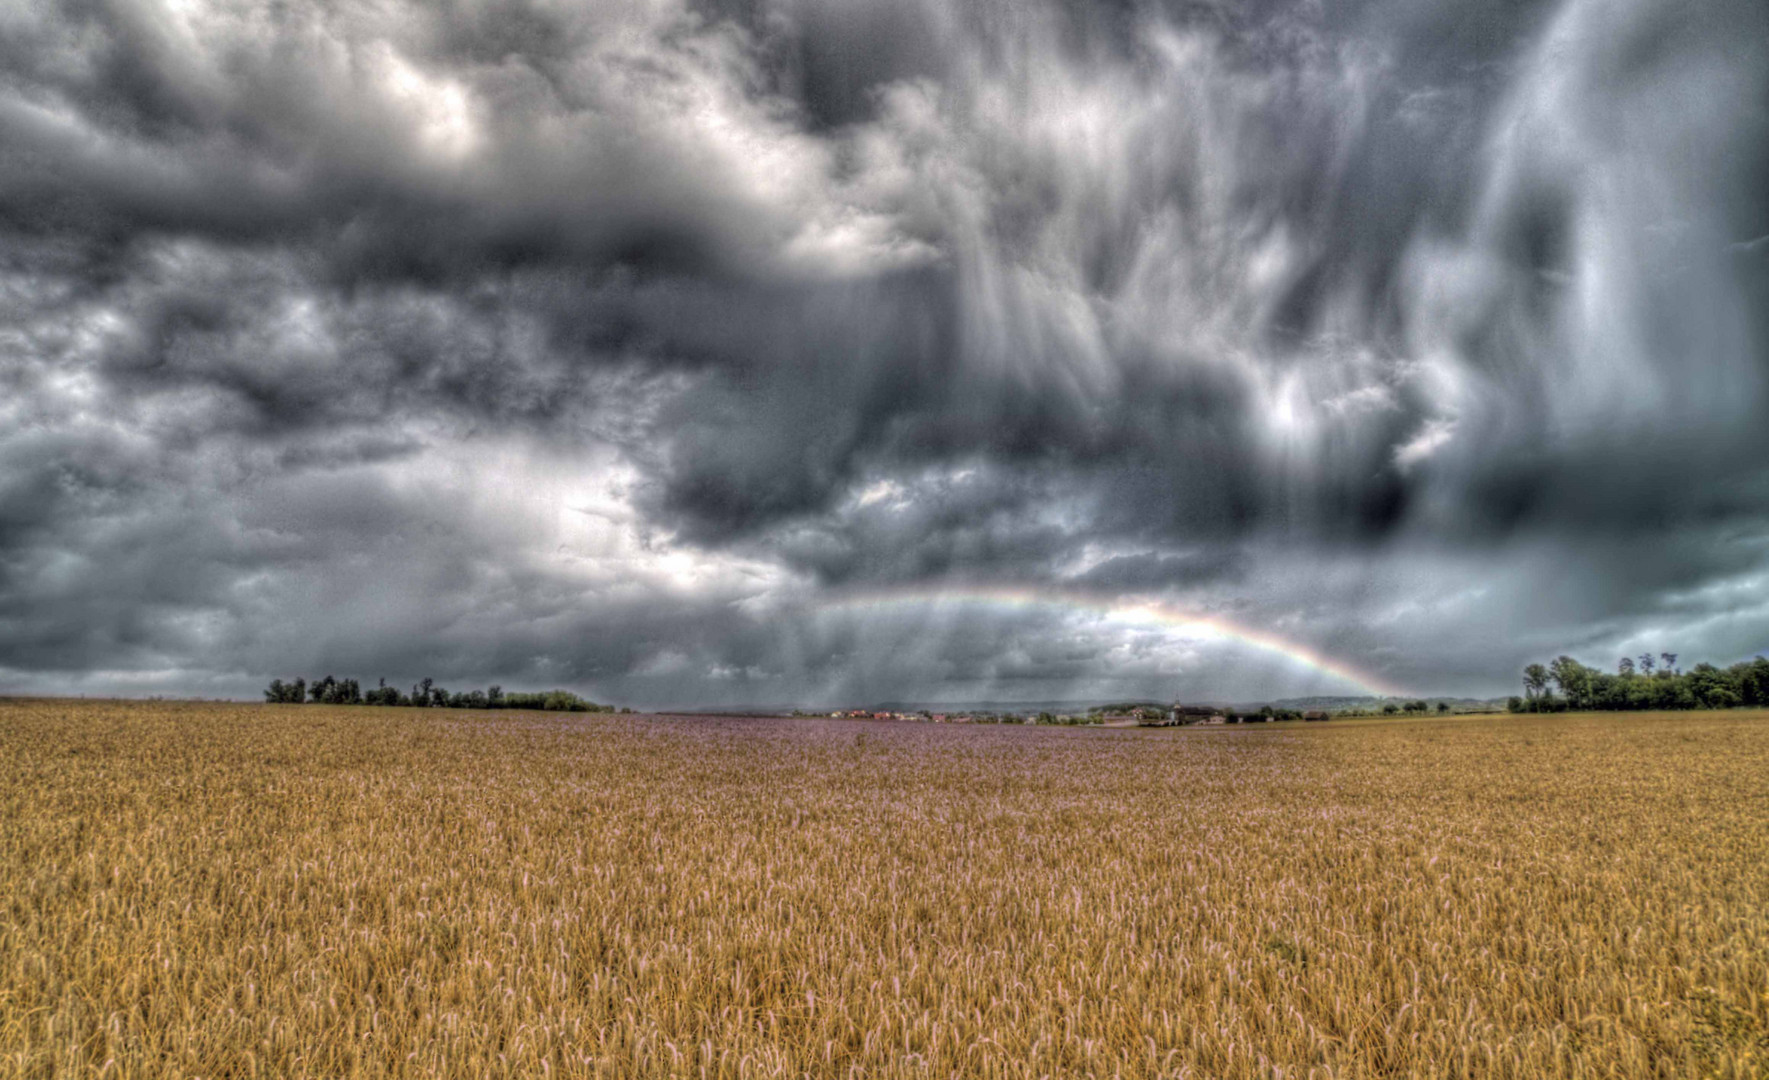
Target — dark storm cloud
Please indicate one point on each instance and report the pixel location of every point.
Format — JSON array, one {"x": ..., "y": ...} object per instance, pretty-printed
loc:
[
  {"x": 608, "y": 345},
  {"x": 1147, "y": 570}
]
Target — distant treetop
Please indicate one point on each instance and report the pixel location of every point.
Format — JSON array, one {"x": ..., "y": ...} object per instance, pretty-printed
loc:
[
  {"x": 1645, "y": 683},
  {"x": 424, "y": 695}
]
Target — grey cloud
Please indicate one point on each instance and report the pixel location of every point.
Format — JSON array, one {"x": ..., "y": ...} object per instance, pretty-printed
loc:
[
  {"x": 1149, "y": 570},
  {"x": 303, "y": 306}
]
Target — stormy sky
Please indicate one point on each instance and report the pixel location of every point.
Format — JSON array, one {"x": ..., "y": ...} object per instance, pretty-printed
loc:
[{"x": 686, "y": 353}]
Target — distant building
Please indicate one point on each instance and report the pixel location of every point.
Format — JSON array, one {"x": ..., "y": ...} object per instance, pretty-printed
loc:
[{"x": 1316, "y": 714}]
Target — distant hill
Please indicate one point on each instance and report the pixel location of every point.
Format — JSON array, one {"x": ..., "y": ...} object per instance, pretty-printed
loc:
[
  {"x": 1331, "y": 703},
  {"x": 1077, "y": 707},
  {"x": 980, "y": 706},
  {"x": 1322, "y": 702}
]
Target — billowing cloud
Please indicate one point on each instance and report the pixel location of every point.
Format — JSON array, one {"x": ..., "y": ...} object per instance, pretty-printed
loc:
[{"x": 613, "y": 346}]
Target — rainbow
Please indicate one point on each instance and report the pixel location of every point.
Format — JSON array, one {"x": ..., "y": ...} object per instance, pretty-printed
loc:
[{"x": 1117, "y": 609}]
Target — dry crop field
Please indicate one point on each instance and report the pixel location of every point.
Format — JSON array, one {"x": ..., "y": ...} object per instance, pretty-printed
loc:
[{"x": 232, "y": 891}]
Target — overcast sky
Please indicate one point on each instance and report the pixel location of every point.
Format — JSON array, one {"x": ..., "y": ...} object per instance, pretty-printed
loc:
[{"x": 749, "y": 351}]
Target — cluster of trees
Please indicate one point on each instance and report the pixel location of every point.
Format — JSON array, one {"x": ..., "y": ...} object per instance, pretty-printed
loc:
[
  {"x": 1064, "y": 720},
  {"x": 1415, "y": 707},
  {"x": 424, "y": 695},
  {"x": 1137, "y": 710},
  {"x": 1646, "y": 682},
  {"x": 1264, "y": 712}
]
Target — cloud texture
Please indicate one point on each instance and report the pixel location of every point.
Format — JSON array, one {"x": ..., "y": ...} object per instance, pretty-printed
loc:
[{"x": 612, "y": 345}]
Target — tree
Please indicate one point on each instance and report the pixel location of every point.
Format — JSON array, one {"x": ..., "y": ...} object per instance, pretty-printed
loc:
[
  {"x": 281, "y": 693},
  {"x": 1705, "y": 686},
  {"x": 1646, "y": 663},
  {"x": 1713, "y": 688},
  {"x": 1626, "y": 667},
  {"x": 1443, "y": 707},
  {"x": 1753, "y": 681},
  {"x": 1535, "y": 680},
  {"x": 382, "y": 695},
  {"x": 330, "y": 690},
  {"x": 1574, "y": 680}
]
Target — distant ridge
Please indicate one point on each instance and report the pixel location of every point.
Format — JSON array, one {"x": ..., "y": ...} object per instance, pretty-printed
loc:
[
  {"x": 1082, "y": 705},
  {"x": 1077, "y": 706}
]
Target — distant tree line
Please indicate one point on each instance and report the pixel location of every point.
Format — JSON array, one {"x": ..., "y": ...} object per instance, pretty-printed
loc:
[
  {"x": 1268, "y": 712},
  {"x": 1136, "y": 710},
  {"x": 1416, "y": 707},
  {"x": 1646, "y": 682},
  {"x": 424, "y": 695}
]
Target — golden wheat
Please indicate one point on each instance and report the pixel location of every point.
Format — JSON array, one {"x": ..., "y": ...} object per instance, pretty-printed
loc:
[{"x": 237, "y": 891}]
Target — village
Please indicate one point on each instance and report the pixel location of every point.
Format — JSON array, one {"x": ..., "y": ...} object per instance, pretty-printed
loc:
[{"x": 1139, "y": 716}]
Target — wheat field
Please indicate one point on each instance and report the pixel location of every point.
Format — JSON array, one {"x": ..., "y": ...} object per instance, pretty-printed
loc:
[{"x": 206, "y": 890}]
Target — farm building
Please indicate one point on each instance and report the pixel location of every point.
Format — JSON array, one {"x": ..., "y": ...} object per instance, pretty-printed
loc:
[{"x": 1316, "y": 714}]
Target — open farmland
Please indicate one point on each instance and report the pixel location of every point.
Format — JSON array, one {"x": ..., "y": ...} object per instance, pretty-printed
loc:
[{"x": 233, "y": 891}]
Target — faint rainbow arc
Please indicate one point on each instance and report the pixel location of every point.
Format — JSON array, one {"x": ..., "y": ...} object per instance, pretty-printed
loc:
[{"x": 1125, "y": 610}]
